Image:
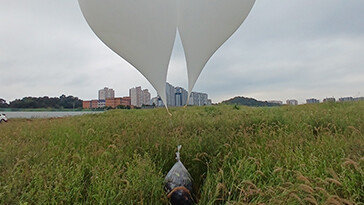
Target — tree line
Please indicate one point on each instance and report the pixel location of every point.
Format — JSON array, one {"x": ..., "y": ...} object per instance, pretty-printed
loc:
[
  {"x": 66, "y": 102},
  {"x": 249, "y": 102}
]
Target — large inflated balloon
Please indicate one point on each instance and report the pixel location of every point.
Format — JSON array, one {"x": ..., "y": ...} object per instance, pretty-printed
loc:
[
  {"x": 204, "y": 25},
  {"x": 143, "y": 31},
  {"x": 140, "y": 31}
]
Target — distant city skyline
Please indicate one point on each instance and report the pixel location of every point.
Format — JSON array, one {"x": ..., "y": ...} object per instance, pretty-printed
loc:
[
  {"x": 178, "y": 96},
  {"x": 109, "y": 93},
  {"x": 281, "y": 52},
  {"x": 139, "y": 97}
]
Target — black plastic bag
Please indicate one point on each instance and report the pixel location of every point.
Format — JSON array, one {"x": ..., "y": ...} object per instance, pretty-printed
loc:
[{"x": 178, "y": 183}]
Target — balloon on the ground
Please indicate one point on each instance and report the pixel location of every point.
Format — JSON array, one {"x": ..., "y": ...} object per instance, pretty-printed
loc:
[
  {"x": 204, "y": 25},
  {"x": 140, "y": 31}
]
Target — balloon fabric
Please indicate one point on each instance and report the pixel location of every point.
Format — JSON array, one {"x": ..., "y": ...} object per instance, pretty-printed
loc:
[
  {"x": 204, "y": 25},
  {"x": 140, "y": 31},
  {"x": 143, "y": 32}
]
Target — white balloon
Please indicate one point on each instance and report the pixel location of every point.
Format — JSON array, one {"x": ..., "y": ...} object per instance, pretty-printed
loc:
[
  {"x": 140, "y": 31},
  {"x": 204, "y": 25},
  {"x": 143, "y": 31}
]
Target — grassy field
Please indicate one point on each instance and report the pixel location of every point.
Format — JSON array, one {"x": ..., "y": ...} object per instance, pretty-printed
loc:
[
  {"x": 40, "y": 110},
  {"x": 310, "y": 154}
]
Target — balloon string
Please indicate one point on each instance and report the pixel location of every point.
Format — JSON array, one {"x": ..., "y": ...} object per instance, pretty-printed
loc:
[
  {"x": 178, "y": 157},
  {"x": 188, "y": 100},
  {"x": 170, "y": 114}
]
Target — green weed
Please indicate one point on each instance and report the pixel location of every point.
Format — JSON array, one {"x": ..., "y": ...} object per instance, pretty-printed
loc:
[{"x": 282, "y": 155}]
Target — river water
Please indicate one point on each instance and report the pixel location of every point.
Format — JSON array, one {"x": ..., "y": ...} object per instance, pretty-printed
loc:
[{"x": 29, "y": 115}]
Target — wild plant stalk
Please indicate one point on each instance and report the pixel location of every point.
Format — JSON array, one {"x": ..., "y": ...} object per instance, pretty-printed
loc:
[{"x": 290, "y": 155}]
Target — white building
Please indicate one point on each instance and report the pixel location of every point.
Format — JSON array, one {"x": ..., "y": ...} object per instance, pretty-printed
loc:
[
  {"x": 312, "y": 101},
  {"x": 292, "y": 102},
  {"x": 177, "y": 97},
  {"x": 332, "y": 99},
  {"x": 180, "y": 96},
  {"x": 198, "y": 99},
  {"x": 146, "y": 97},
  {"x": 136, "y": 96},
  {"x": 170, "y": 94},
  {"x": 106, "y": 93},
  {"x": 157, "y": 101},
  {"x": 139, "y": 97},
  {"x": 346, "y": 99}
]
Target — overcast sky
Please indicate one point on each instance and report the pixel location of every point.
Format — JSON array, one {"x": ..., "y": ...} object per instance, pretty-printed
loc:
[{"x": 285, "y": 49}]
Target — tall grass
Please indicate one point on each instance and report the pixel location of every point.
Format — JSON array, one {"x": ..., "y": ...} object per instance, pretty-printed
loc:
[{"x": 311, "y": 154}]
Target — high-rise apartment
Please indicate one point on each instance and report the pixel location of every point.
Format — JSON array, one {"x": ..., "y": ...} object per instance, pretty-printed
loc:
[
  {"x": 177, "y": 97},
  {"x": 198, "y": 99},
  {"x": 146, "y": 97},
  {"x": 136, "y": 96},
  {"x": 180, "y": 96},
  {"x": 170, "y": 94},
  {"x": 106, "y": 93},
  {"x": 139, "y": 97}
]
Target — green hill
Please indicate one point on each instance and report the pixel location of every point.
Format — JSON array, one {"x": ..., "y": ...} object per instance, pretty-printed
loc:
[
  {"x": 248, "y": 102},
  {"x": 281, "y": 155}
]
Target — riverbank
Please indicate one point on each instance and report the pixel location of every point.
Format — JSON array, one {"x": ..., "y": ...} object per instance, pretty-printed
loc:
[
  {"x": 41, "y": 110},
  {"x": 281, "y": 155},
  {"x": 45, "y": 114}
]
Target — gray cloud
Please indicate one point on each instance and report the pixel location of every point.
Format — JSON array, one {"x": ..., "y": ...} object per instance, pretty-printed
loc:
[{"x": 285, "y": 49}]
